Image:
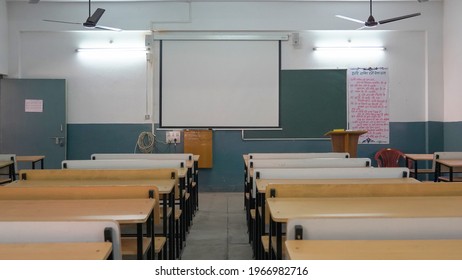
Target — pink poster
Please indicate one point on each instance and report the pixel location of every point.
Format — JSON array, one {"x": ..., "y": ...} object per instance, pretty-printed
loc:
[{"x": 368, "y": 104}]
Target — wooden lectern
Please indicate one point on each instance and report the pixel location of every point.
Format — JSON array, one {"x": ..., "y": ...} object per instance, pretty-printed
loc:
[
  {"x": 345, "y": 141},
  {"x": 199, "y": 142}
]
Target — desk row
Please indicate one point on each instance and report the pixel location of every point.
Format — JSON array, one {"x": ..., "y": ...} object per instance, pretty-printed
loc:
[
  {"x": 172, "y": 207},
  {"x": 279, "y": 200}
]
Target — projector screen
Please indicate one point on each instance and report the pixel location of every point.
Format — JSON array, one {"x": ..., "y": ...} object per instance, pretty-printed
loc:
[{"x": 219, "y": 84}]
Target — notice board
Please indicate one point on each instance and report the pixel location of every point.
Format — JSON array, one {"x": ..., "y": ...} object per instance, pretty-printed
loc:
[
  {"x": 199, "y": 142},
  {"x": 368, "y": 104}
]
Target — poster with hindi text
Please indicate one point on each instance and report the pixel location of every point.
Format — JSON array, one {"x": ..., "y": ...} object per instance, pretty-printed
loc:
[{"x": 368, "y": 104}]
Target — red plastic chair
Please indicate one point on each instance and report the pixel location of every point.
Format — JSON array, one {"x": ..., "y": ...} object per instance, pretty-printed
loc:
[{"x": 388, "y": 157}]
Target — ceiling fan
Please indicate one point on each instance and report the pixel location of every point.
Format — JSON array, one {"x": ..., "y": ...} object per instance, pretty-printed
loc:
[
  {"x": 91, "y": 21},
  {"x": 371, "y": 22}
]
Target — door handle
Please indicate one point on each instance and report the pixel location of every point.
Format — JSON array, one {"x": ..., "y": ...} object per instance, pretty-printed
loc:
[{"x": 58, "y": 140}]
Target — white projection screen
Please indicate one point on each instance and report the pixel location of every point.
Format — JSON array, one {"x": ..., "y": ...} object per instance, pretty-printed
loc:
[{"x": 219, "y": 84}]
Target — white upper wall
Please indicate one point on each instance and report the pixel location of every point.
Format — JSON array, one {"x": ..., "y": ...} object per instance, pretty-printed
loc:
[
  {"x": 108, "y": 87},
  {"x": 418, "y": 75},
  {"x": 3, "y": 38},
  {"x": 452, "y": 61},
  {"x": 404, "y": 57}
]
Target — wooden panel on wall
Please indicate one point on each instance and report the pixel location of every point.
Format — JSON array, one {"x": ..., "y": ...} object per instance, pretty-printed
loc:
[{"x": 199, "y": 142}]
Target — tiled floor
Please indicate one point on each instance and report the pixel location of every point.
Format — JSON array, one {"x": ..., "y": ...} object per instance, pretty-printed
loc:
[{"x": 219, "y": 230}]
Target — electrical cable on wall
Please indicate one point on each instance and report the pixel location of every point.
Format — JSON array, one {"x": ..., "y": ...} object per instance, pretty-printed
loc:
[{"x": 146, "y": 142}]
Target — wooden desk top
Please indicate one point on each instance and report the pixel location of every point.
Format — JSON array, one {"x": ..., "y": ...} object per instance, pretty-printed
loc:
[
  {"x": 262, "y": 184},
  {"x": 125, "y": 211},
  {"x": 420, "y": 156},
  {"x": 164, "y": 186},
  {"x": 450, "y": 162},
  {"x": 282, "y": 209},
  {"x": 29, "y": 158},
  {"x": 56, "y": 251},
  {"x": 374, "y": 249}
]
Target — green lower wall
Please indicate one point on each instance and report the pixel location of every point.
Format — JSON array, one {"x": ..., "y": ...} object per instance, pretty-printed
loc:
[
  {"x": 86, "y": 139},
  {"x": 228, "y": 146},
  {"x": 453, "y": 136}
]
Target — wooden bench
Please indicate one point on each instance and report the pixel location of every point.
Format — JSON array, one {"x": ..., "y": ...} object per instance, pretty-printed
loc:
[
  {"x": 416, "y": 228},
  {"x": 443, "y": 169},
  {"x": 183, "y": 156},
  {"x": 353, "y": 190},
  {"x": 123, "y": 164},
  {"x": 375, "y": 228},
  {"x": 109, "y": 174},
  {"x": 284, "y": 156},
  {"x": 297, "y": 155},
  {"x": 314, "y": 173},
  {"x": 412, "y": 162},
  {"x": 192, "y": 174},
  {"x": 360, "y": 190},
  {"x": 327, "y": 173},
  {"x": 188, "y": 158},
  {"x": 332, "y": 230},
  {"x": 9, "y": 171},
  {"x": 128, "y": 164},
  {"x": 251, "y": 156},
  {"x": 22, "y": 232},
  {"x": 435, "y": 249},
  {"x": 328, "y": 162},
  {"x": 120, "y": 174},
  {"x": 305, "y": 163},
  {"x": 311, "y": 162},
  {"x": 128, "y": 246}
]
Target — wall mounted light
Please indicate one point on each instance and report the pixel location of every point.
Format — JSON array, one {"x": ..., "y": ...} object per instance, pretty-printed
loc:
[
  {"x": 349, "y": 48},
  {"x": 106, "y": 50}
]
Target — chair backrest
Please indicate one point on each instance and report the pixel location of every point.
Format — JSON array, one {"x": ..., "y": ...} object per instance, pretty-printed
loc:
[
  {"x": 142, "y": 156},
  {"x": 311, "y": 162},
  {"x": 307, "y": 163},
  {"x": 167, "y": 156},
  {"x": 327, "y": 173},
  {"x": 375, "y": 228},
  {"x": 62, "y": 231},
  {"x": 297, "y": 155},
  {"x": 123, "y": 164},
  {"x": 388, "y": 157},
  {"x": 8, "y": 157}
]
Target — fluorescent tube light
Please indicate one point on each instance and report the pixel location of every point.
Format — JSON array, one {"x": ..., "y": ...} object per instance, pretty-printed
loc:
[
  {"x": 104, "y": 50},
  {"x": 348, "y": 48}
]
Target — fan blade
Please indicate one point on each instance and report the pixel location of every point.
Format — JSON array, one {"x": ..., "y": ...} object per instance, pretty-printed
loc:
[
  {"x": 398, "y": 18},
  {"x": 108, "y": 28},
  {"x": 350, "y": 19},
  {"x": 94, "y": 18},
  {"x": 60, "y": 21}
]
